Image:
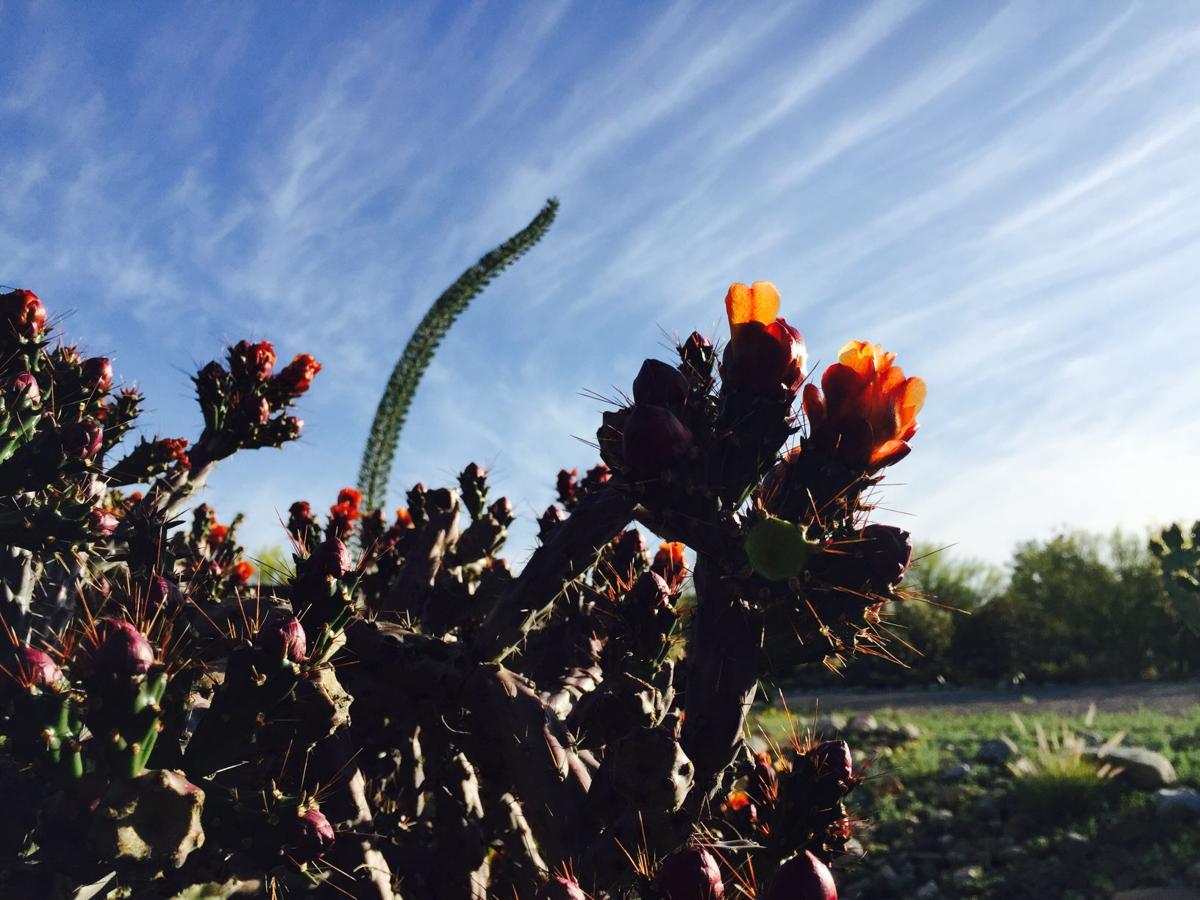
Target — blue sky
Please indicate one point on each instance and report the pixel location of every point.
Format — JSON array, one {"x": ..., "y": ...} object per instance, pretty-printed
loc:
[{"x": 1006, "y": 195}]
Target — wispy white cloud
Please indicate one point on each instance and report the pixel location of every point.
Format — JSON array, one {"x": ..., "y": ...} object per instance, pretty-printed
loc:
[{"x": 1004, "y": 196}]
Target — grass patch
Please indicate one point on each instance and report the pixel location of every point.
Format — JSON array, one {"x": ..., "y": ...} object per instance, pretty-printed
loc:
[{"x": 1058, "y": 830}]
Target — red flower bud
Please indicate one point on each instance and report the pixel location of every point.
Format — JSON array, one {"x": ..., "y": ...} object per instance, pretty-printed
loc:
[
  {"x": 691, "y": 874},
  {"x": 565, "y": 486},
  {"x": 331, "y": 558},
  {"x": 102, "y": 523},
  {"x": 23, "y": 388},
  {"x": 285, "y": 639},
  {"x": 82, "y": 440},
  {"x": 803, "y": 877},
  {"x": 654, "y": 440},
  {"x": 659, "y": 384},
  {"x": 549, "y": 520},
  {"x": 123, "y": 651},
  {"x": 22, "y": 314},
  {"x": 98, "y": 373},
  {"x": 176, "y": 449},
  {"x": 297, "y": 376},
  {"x": 350, "y": 497},
  {"x": 251, "y": 362},
  {"x": 35, "y": 668},
  {"x": 311, "y": 836}
]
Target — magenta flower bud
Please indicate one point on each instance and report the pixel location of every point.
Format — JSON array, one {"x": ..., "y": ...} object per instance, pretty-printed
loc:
[
  {"x": 549, "y": 520},
  {"x": 285, "y": 639},
  {"x": 124, "y": 651},
  {"x": 251, "y": 362},
  {"x": 256, "y": 410},
  {"x": 35, "y": 668},
  {"x": 803, "y": 877},
  {"x": 163, "y": 591},
  {"x": 691, "y": 874},
  {"x": 650, "y": 591},
  {"x": 22, "y": 314},
  {"x": 102, "y": 523},
  {"x": 23, "y": 387},
  {"x": 98, "y": 373},
  {"x": 561, "y": 887},
  {"x": 654, "y": 440},
  {"x": 82, "y": 440},
  {"x": 331, "y": 558},
  {"x": 698, "y": 357},
  {"x": 502, "y": 511},
  {"x": 833, "y": 760},
  {"x": 312, "y": 836},
  {"x": 887, "y": 551},
  {"x": 659, "y": 384}
]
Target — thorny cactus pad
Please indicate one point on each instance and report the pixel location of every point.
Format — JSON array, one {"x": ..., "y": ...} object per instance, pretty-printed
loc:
[{"x": 406, "y": 715}]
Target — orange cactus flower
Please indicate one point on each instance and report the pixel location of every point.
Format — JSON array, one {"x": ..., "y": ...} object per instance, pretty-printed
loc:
[
  {"x": 738, "y": 800},
  {"x": 217, "y": 533},
  {"x": 868, "y": 413},
  {"x": 765, "y": 354},
  {"x": 669, "y": 564},
  {"x": 404, "y": 518},
  {"x": 242, "y": 572}
]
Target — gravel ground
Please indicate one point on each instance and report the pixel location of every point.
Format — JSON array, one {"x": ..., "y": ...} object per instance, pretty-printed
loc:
[{"x": 1070, "y": 700}]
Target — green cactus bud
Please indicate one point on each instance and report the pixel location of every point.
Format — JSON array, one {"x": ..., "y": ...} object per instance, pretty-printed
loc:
[{"x": 777, "y": 549}]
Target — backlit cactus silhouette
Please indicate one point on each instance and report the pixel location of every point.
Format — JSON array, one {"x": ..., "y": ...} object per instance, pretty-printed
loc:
[
  {"x": 1179, "y": 556},
  {"x": 415, "y": 719}
]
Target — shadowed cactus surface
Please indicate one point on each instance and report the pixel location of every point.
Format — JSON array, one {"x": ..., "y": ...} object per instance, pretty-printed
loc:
[{"x": 406, "y": 715}]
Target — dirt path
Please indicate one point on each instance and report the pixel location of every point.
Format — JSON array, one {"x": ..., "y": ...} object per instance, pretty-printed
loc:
[{"x": 1062, "y": 699}]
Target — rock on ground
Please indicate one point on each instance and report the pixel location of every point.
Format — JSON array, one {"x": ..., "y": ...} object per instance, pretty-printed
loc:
[{"x": 1141, "y": 768}]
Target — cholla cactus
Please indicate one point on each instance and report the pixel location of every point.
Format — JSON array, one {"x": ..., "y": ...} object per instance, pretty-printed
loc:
[
  {"x": 408, "y": 716},
  {"x": 1179, "y": 556}
]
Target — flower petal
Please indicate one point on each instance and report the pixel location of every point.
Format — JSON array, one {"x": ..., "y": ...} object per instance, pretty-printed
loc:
[{"x": 758, "y": 302}]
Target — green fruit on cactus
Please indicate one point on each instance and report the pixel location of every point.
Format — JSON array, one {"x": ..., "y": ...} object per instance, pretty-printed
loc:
[{"x": 777, "y": 549}]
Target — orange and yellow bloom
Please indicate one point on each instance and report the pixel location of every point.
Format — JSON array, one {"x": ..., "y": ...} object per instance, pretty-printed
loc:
[
  {"x": 868, "y": 413},
  {"x": 765, "y": 354}
]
